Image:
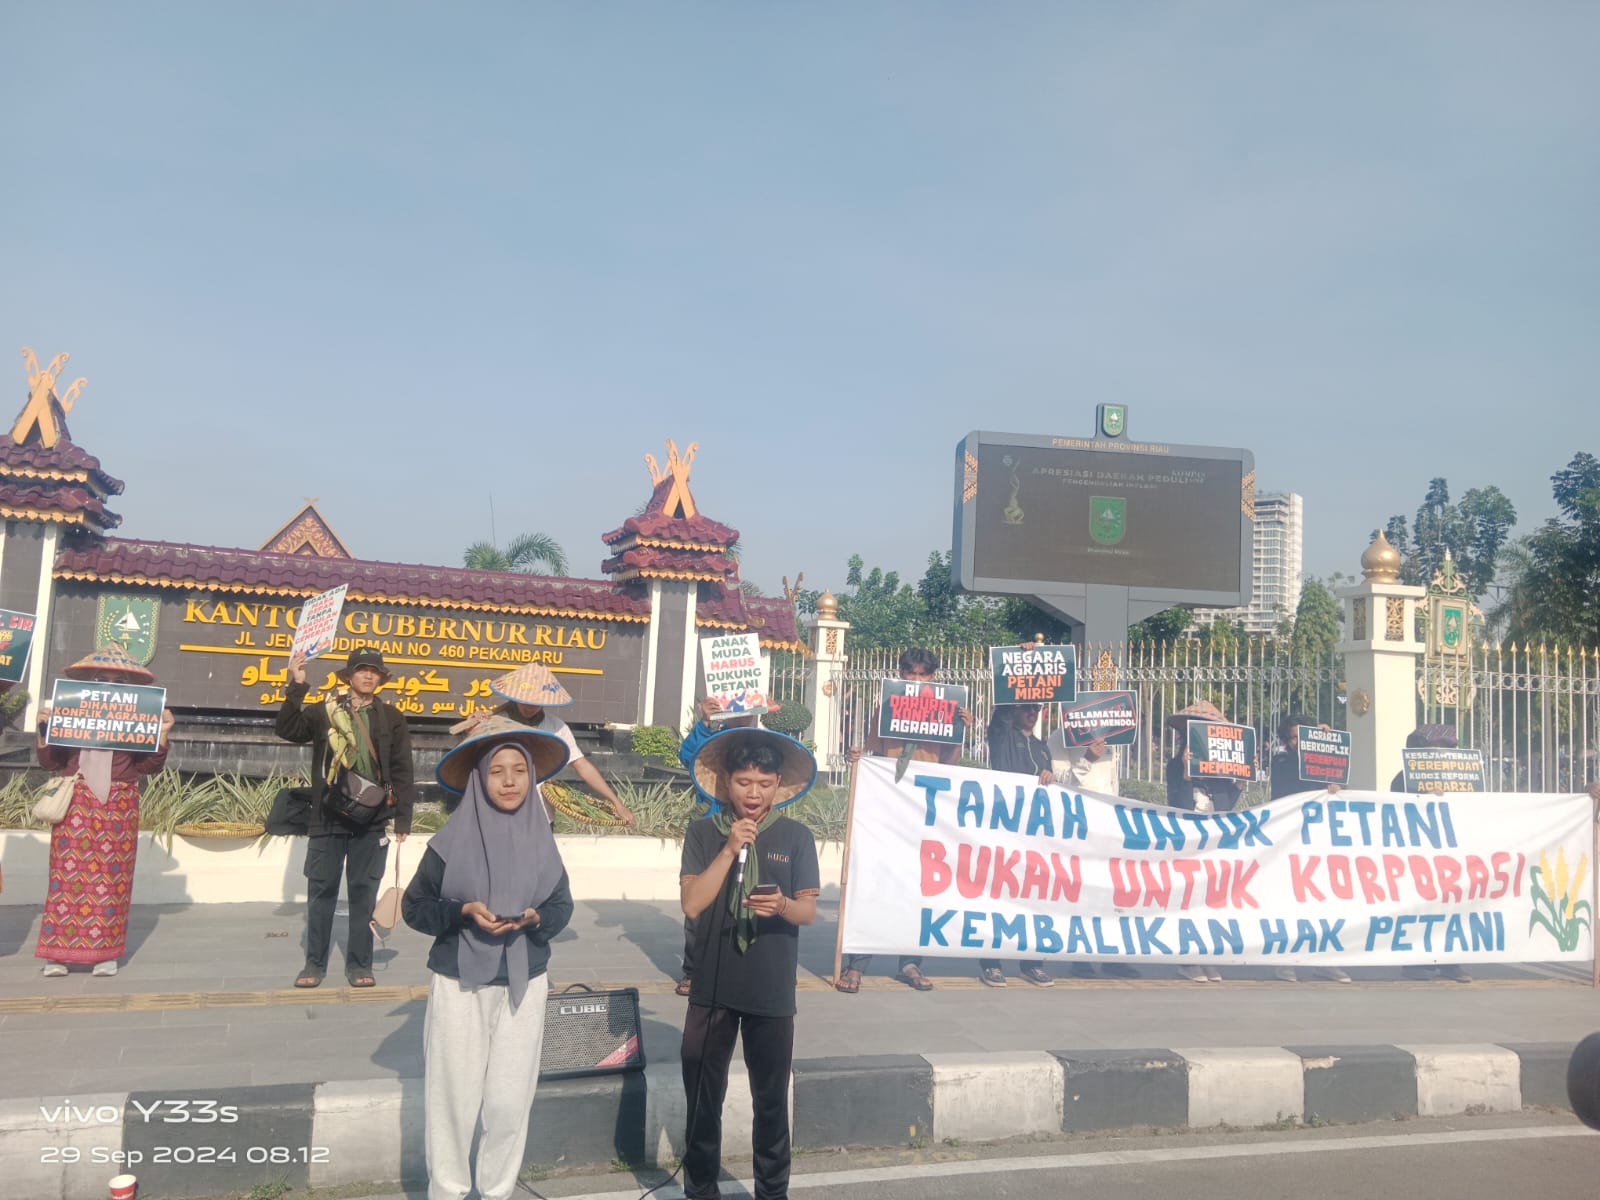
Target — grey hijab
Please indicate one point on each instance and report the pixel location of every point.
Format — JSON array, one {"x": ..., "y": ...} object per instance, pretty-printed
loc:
[{"x": 509, "y": 860}]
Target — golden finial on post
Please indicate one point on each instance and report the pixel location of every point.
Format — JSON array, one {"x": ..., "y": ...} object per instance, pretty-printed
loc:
[{"x": 1380, "y": 563}]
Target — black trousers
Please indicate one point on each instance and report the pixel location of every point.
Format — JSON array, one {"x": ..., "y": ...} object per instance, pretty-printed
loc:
[
  {"x": 708, "y": 1035},
  {"x": 360, "y": 859}
]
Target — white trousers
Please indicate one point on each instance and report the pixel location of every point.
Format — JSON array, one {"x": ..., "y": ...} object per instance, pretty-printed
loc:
[{"x": 481, "y": 1064}]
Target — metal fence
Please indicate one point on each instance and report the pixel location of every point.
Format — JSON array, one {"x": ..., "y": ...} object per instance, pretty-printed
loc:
[
  {"x": 1254, "y": 682},
  {"x": 791, "y": 673},
  {"x": 1534, "y": 712}
]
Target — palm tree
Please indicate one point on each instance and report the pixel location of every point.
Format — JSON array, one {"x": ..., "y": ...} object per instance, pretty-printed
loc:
[{"x": 523, "y": 553}]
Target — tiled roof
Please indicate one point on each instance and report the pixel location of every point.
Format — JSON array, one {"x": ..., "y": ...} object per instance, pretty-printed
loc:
[
  {"x": 676, "y": 564},
  {"x": 770, "y": 616},
  {"x": 63, "y": 459},
  {"x": 654, "y": 524},
  {"x": 173, "y": 564}
]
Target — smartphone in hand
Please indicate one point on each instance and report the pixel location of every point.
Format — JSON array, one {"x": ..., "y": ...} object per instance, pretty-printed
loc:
[{"x": 764, "y": 889}]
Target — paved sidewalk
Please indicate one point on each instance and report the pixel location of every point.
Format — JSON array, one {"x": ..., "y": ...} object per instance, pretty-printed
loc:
[{"x": 203, "y": 1000}]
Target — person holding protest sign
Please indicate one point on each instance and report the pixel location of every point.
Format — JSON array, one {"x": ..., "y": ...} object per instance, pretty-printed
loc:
[
  {"x": 1430, "y": 737},
  {"x": 1197, "y": 795},
  {"x": 1017, "y": 750},
  {"x": 920, "y": 665},
  {"x": 361, "y": 778},
  {"x": 1286, "y": 781},
  {"x": 93, "y": 847},
  {"x": 699, "y": 733},
  {"x": 529, "y": 693},
  {"x": 1089, "y": 768},
  {"x": 751, "y": 876},
  {"x": 492, "y": 892}
]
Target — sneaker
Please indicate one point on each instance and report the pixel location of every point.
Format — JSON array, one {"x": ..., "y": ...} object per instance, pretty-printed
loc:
[
  {"x": 992, "y": 977},
  {"x": 1454, "y": 974},
  {"x": 1081, "y": 970},
  {"x": 1287, "y": 974},
  {"x": 1036, "y": 975},
  {"x": 1193, "y": 974},
  {"x": 1337, "y": 975},
  {"x": 54, "y": 970},
  {"x": 105, "y": 969},
  {"x": 1119, "y": 971},
  {"x": 1213, "y": 975}
]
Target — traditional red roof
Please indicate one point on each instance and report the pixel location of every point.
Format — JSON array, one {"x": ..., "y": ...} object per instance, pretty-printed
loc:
[
  {"x": 61, "y": 484},
  {"x": 650, "y": 561},
  {"x": 698, "y": 532},
  {"x": 771, "y": 617},
  {"x": 307, "y": 532},
  {"x": 221, "y": 569}
]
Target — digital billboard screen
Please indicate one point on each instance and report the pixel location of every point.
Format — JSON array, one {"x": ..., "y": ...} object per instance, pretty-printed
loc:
[{"x": 1040, "y": 514}]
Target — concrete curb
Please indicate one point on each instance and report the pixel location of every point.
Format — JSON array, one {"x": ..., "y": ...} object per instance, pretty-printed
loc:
[{"x": 323, "y": 1135}]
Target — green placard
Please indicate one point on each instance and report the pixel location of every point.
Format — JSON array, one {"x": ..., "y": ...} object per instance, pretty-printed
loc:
[
  {"x": 912, "y": 711},
  {"x": 106, "y": 716},
  {"x": 1448, "y": 769},
  {"x": 1034, "y": 674},
  {"x": 1221, "y": 750},
  {"x": 16, "y": 639}
]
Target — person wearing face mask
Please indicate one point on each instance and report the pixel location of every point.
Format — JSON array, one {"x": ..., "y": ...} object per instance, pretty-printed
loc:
[
  {"x": 753, "y": 874},
  {"x": 492, "y": 891}
]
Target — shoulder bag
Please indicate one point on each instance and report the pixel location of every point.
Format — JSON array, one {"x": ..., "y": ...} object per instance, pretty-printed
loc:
[{"x": 52, "y": 806}]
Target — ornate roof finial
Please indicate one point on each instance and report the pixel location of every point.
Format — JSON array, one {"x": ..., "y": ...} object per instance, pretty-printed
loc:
[
  {"x": 828, "y": 606},
  {"x": 1381, "y": 561},
  {"x": 679, "y": 502},
  {"x": 45, "y": 411}
]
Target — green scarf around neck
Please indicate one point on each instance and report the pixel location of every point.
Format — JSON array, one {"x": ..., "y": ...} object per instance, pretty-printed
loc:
[{"x": 744, "y": 921}]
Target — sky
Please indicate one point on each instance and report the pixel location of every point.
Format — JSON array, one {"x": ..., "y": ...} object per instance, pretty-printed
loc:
[{"x": 430, "y": 263}]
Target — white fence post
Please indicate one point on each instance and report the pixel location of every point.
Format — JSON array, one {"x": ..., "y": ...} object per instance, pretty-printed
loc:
[{"x": 828, "y": 658}]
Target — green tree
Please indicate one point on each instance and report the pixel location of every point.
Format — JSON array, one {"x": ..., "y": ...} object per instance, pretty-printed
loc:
[
  {"x": 1316, "y": 623},
  {"x": 1554, "y": 572},
  {"x": 524, "y": 553},
  {"x": 1168, "y": 625},
  {"x": 1472, "y": 530}
]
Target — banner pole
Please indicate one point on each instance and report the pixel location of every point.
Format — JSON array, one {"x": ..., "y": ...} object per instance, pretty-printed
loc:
[
  {"x": 1594, "y": 888},
  {"x": 844, "y": 871}
]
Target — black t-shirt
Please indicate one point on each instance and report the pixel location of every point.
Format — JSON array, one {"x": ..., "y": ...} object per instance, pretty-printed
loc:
[
  {"x": 761, "y": 980},
  {"x": 1286, "y": 779}
]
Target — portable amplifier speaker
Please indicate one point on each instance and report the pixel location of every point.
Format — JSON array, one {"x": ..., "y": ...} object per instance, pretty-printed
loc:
[{"x": 591, "y": 1033}]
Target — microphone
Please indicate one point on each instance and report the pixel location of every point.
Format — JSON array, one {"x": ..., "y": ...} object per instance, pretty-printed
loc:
[{"x": 744, "y": 853}]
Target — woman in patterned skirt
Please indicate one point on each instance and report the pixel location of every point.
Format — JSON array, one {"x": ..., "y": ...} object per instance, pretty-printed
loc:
[{"x": 92, "y": 848}]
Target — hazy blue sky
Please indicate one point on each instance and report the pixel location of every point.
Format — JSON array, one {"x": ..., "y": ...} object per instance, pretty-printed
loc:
[{"x": 399, "y": 256}]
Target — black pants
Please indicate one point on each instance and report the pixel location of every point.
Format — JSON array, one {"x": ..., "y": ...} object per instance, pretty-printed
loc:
[
  {"x": 708, "y": 1035},
  {"x": 360, "y": 859},
  {"x": 691, "y": 933}
]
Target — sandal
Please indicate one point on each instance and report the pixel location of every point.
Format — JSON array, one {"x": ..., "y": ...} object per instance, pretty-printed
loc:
[
  {"x": 361, "y": 981},
  {"x": 684, "y": 986},
  {"x": 309, "y": 978},
  {"x": 913, "y": 978},
  {"x": 849, "y": 981}
]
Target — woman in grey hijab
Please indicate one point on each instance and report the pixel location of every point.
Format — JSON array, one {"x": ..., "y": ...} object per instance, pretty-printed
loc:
[{"x": 492, "y": 891}]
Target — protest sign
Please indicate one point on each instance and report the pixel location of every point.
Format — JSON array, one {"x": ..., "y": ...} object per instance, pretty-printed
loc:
[
  {"x": 1443, "y": 769},
  {"x": 318, "y": 624},
  {"x": 963, "y": 863},
  {"x": 1034, "y": 674},
  {"x": 1324, "y": 755},
  {"x": 910, "y": 710},
  {"x": 1113, "y": 716},
  {"x": 16, "y": 639},
  {"x": 1219, "y": 750},
  {"x": 105, "y": 716},
  {"x": 736, "y": 674}
]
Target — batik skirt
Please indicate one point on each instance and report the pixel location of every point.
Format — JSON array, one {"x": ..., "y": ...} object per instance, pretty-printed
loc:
[{"x": 92, "y": 853}]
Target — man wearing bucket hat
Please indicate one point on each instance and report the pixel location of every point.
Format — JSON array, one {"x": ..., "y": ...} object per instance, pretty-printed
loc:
[
  {"x": 529, "y": 693},
  {"x": 359, "y": 743},
  {"x": 1197, "y": 795},
  {"x": 753, "y": 873},
  {"x": 492, "y": 891}
]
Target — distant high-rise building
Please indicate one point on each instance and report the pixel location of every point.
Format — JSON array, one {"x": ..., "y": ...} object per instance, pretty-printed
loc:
[{"x": 1274, "y": 566}]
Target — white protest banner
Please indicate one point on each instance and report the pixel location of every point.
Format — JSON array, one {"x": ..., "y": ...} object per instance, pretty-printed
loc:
[
  {"x": 318, "y": 624},
  {"x": 735, "y": 672},
  {"x": 961, "y": 863}
]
